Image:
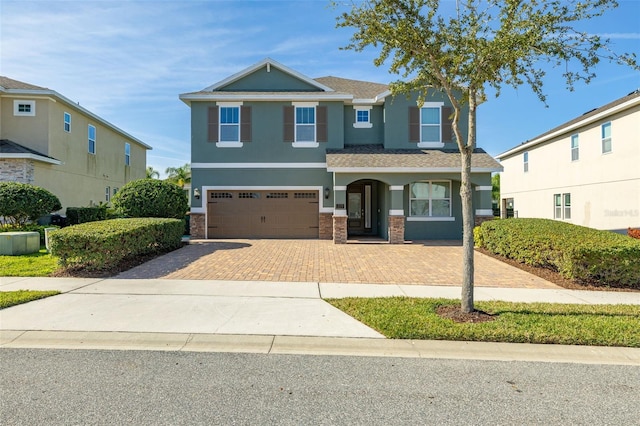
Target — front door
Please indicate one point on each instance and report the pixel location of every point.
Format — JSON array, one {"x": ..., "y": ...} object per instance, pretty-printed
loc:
[{"x": 355, "y": 209}]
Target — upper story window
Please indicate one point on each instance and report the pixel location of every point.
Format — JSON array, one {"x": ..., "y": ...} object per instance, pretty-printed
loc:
[
  {"x": 606, "y": 138},
  {"x": 575, "y": 148},
  {"x": 67, "y": 122},
  {"x": 525, "y": 159},
  {"x": 430, "y": 126},
  {"x": 362, "y": 117},
  {"x": 430, "y": 199},
  {"x": 229, "y": 124},
  {"x": 305, "y": 124},
  {"x": 24, "y": 108},
  {"x": 127, "y": 154},
  {"x": 91, "y": 133}
]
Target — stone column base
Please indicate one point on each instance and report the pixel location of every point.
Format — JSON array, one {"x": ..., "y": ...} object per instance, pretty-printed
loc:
[
  {"x": 340, "y": 229},
  {"x": 325, "y": 222},
  {"x": 479, "y": 220},
  {"x": 197, "y": 226},
  {"x": 396, "y": 229}
]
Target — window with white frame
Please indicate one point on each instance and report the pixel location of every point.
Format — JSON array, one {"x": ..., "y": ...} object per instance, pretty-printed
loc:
[
  {"x": 525, "y": 159},
  {"x": 127, "y": 154},
  {"x": 107, "y": 194},
  {"x": 430, "y": 199},
  {"x": 562, "y": 206},
  {"x": 575, "y": 148},
  {"x": 229, "y": 124},
  {"x": 362, "y": 117},
  {"x": 24, "y": 108},
  {"x": 606, "y": 138},
  {"x": 91, "y": 136},
  {"x": 305, "y": 124},
  {"x": 115, "y": 190},
  {"x": 67, "y": 122},
  {"x": 430, "y": 130}
]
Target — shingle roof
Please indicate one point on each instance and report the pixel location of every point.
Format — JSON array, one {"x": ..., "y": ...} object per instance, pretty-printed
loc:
[
  {"x": 359, "y": 89},
  {"x": 9, "y": 83},
  {"x": 10, "y": 147},
  {"x": 375, "y": 156}
]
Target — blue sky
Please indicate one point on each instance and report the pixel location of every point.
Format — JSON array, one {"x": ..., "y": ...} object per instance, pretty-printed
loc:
[{"x": 128, "y": 61}]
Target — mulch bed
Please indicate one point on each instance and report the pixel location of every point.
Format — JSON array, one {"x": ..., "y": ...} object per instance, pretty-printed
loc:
[{"x": 455, "y": 314}]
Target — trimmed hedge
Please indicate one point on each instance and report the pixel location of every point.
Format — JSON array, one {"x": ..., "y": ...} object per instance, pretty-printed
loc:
[
  {"x": 582, "y": 254},
  {"x": 78, "y": 215},
  {"x": 23, "y": 202},
  {"x": 101, "y": 245},
  {"x": 151, "y": 198}
]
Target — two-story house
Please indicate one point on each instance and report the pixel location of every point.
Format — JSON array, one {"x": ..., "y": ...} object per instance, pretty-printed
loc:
[
  {"x": 585, "y": 171},
  {"x": 52, "y": 142},
  {"x": 276, "y": 154}
]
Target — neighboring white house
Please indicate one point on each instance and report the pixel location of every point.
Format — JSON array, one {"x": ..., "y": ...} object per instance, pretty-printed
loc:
[{"x": 585, "y": 171}]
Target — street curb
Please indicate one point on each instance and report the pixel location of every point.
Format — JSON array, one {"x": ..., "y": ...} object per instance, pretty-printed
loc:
[{"x": 324, "y": 346}]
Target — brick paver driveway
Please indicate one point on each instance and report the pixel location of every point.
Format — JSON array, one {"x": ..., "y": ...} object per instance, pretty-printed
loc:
[{"x": 427, "y": 263}]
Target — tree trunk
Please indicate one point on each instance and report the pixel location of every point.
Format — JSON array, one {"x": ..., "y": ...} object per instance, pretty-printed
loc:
[{"x": 468, "y": 221}]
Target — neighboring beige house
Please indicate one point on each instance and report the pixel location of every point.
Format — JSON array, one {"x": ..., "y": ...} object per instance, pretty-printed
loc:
[
  {"x": 586, "y": 171},
  {"x": 49, "y": 141}
]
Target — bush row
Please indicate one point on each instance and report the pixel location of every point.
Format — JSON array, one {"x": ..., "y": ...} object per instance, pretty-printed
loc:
[
  {"x": 77, "y": 215},
  {"x": 582, "y": 254},
  {"x": 102, "y": 245}
]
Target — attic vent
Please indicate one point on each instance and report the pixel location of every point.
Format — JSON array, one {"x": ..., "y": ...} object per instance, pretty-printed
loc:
[
  {"x": 634, "y": 92},
  {"x": 268, "y": 67},
  {"x": 591, "y": 110}
]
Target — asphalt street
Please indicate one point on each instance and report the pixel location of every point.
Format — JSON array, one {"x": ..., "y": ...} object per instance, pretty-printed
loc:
[{"x": 54, "y": 387}]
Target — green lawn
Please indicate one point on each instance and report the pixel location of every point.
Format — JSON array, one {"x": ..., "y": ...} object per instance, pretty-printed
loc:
[
  {"x": 10, "y": 298},
  {"x": 39, "y": 264},
  {"x": 408, "y": 318}
]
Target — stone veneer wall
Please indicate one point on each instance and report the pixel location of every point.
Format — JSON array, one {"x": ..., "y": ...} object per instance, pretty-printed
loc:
[
  {"x": 16, "y": 170},
  {"x": 478, "y": 220},
  {"x": 396, "y": 229},
  {"x": 340, "y": 229},
  {"x": 197, "y": 226},
  {"x": 326, "y": 226}
]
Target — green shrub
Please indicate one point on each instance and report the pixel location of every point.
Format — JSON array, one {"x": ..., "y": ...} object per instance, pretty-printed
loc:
[
  {"x": 477, "y": 237},
  {"x": 29, "y": 227},
  {"x": 582, "y": 254},
  {"x": 22, "y": 202},
  {"x": 151, "y": 198},
  {"x": 77, "y": 215},
  {"x": 101, "y": 245}
]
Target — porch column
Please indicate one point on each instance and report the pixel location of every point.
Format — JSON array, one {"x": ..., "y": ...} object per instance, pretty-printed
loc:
[
  {"x": 396, "y": 215},
  {"x": 484, "y": 212},
  {"x": 340, "y": 215}
]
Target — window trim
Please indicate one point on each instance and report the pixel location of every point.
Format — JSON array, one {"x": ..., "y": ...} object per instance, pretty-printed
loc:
[
  {"x": 127, "y": 154},
  {"x": 305, "y": 144},
  {"x": 525, "y": 161},
  {"x": 609, "y": 139},
  {"x": 229, "y": 144},
  {"x": 362, "y": 124},
  {"x": 89, "y": 140},
  {"x": 17, "y": 103},
  {"x": 66, "y": 123},
  {"x": 440, "y": 142},
  {"x": 575, "y": 149},
  {"x": 430, "y": 199}
]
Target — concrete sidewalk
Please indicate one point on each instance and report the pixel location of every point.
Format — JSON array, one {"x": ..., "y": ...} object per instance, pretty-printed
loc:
[{"x": 263, "y": 317}]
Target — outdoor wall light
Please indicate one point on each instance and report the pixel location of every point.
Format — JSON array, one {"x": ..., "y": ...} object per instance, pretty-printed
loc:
[
  {"x": 326, "y": 192},
  {"x": 196, "y": 193}
]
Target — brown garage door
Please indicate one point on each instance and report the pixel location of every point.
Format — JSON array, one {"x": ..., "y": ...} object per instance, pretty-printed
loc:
[{"x": 262, "y": 214}]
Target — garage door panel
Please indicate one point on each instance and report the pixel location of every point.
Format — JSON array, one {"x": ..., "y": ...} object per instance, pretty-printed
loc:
[{"x": 262, "y": 214}]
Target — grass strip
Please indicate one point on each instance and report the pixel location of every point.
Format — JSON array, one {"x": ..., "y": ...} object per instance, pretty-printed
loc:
[
  {"x": 39, "y": 264},
  {"x": 11, "y": 298},
  {"x": 409, "y": 318}
]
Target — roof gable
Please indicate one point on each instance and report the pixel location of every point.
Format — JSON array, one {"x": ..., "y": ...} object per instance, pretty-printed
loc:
[{"x": 268, "y": 76}]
